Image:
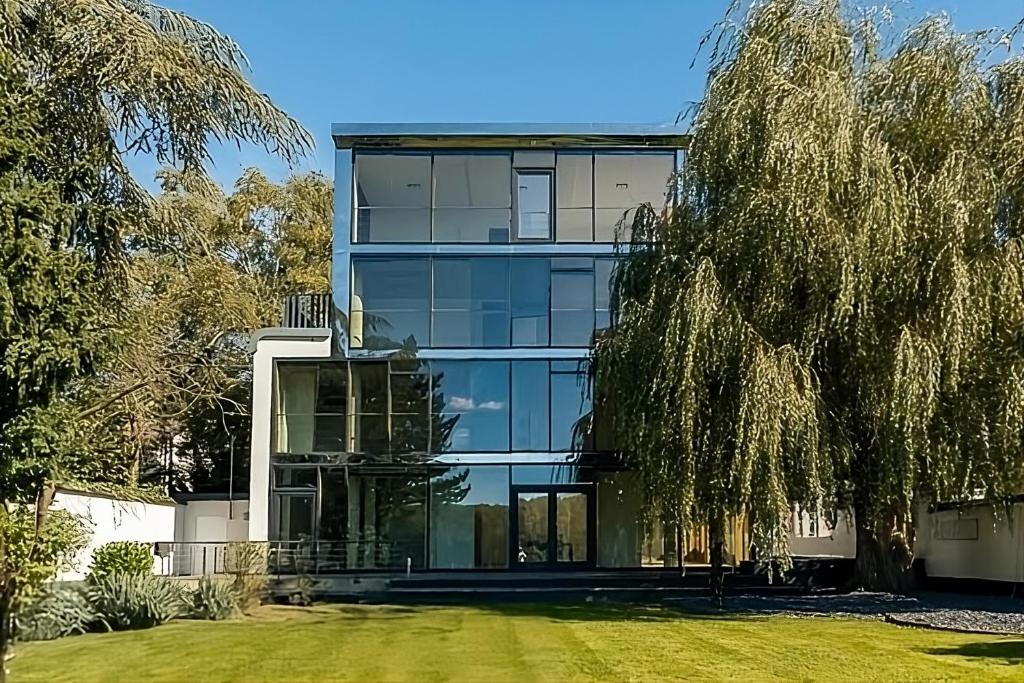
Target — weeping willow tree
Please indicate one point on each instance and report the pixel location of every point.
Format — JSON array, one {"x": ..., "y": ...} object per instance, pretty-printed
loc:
[{"x": 833, "y": 312}]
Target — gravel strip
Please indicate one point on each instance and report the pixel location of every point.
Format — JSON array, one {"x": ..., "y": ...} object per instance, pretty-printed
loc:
[{"x": 945, "y": 611}]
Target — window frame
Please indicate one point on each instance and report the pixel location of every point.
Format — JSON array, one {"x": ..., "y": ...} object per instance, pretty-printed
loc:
[{"x": 548, "y": 173}]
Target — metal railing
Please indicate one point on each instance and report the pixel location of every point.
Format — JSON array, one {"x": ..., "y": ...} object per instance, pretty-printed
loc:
[
  {"x": 190, "y": 559},
  {"x": 306, "y": 311},
  {"x": 337, "y": 557}
]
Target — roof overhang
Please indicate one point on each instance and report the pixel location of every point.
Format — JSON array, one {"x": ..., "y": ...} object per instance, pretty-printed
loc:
[{"x": 507, "y": 135}]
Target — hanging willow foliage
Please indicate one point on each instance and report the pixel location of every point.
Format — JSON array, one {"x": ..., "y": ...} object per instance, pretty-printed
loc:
[{"x": 833, "y": 314}]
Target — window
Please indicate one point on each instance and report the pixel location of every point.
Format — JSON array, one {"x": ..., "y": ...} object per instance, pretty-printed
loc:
[
  {"x": 530, "y": 302},
  {"x": 296, "y": 405},
  {"x": 410, "y": 409},
  {"x": 603, "y": 268},
  {"x": 572, "y": 301},
  {"x": 294, "y": 517},
  {"x": 530, "y": 405},
  {"x": 394, "y": 298},
  {"x": 533, "y": 205},
  {"x": 370, "y": 432},
  {"x": 469, "y": 518},
  {"x": 471, "y": 306},
  {"x": 570, "y": 407},
  {"x": 474, "y": 400},
  {"x": 575, "y": 201},
  {"x": 472, "y": 197},
  {"x": 621, "y": 183},
  {"x": 392, "y": 197}
]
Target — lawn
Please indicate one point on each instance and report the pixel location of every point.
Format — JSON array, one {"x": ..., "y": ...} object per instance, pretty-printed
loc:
[{"x": 519, "y": 643}]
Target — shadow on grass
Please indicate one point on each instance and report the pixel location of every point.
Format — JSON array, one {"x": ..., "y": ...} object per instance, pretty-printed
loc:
[
  {"x": 604, "y": 612},
  {"x": 1010, "y": 651}
]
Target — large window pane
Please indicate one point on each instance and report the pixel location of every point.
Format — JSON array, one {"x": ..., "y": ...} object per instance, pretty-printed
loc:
[
  {"x": 370, "y": 432},
  {"x": 469, "y": 518},
  {"x": 533, "y": 205},
  {"x": 623, "y": 182},
  {"x": 619, "y": 534},
  {"x": 530, "y": 301},
  {"x": 393, "y": 198},
  {"x": 474, "y": 400},
  {"x": 295, "y": 407},
  {"x": 373, "y": 521},
  {"x": 570, "y": 408},
  {"x": 575, "y": 198},
  {"x": 393, "y": 296},
  {"x": 529, "y": 405},
  {"x": 603, "y": 268},
  {"x": 472, "y": 197},
  {"x": 410, "y": 413},
  {"x": 572, "y": 302},
  {"x": 294, "y": 517},
  {"x": 471, "y": 302}
]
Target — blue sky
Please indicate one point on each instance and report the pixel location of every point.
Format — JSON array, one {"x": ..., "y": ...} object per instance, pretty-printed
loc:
[{"x": 481, "y": 60}]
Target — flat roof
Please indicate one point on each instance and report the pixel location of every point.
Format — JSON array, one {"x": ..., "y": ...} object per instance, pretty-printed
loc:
[{"x": 348, "y": 135}]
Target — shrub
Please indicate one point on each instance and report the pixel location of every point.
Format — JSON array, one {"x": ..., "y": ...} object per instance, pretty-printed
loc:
[
  {"x": 213, "y": 600},
  {"x": 247, "y": 562},
  {"x": 56, "y": 612},
  {"x": 124, "y": 601},
  {"x": 127, "y": 558}
]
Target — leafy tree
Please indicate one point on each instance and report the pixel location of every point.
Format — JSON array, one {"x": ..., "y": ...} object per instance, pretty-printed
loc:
[
  {"x": 833, "y": 313},
  {"x": 51, "y": 331}
]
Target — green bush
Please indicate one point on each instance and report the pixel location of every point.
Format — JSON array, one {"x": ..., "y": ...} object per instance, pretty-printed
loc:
[
  {"x": 127, "y": 558},
  {"x": 213, "y": 600},
  {"x": 124, "y": 601},
  {"x": 54, "y": 613}
]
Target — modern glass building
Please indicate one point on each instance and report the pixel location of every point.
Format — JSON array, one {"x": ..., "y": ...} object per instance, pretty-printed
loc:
[{"x": 440, "y": 418}]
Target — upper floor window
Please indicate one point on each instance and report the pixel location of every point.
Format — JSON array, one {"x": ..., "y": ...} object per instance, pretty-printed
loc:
[{"x": 449, "y": 197}]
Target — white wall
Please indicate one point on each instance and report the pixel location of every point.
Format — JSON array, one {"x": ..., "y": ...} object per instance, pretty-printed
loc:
[
  {"x": 972, "y": 544},
  {"x": 838, "y": 542},
  {"x": 110, "y": 520},
  {"x": 212, "y": 521},
  {"x": 271, "y": 345}
]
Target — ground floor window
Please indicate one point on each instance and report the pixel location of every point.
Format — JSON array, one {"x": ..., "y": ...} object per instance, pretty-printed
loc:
[{"x": 376, "y": 517}]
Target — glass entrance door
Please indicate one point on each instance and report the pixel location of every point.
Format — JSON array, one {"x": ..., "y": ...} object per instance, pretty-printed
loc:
[{"x": 552, "y": 526}]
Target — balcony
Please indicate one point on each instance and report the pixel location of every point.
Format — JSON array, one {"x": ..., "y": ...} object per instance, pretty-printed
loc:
[{"x": 306, "y": 311}]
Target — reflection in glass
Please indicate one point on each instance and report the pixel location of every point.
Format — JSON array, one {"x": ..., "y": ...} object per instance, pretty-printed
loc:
[
  {"x": 532, "y": 516},
  {"x": 373, "y": 519},
  {"x": 571, "y": 525},
  {"x": 295, "y": 517},
  {"x": 469, "y": 518},
  {"x": 547, "y": 474},
  {"x": 619, "y": 534},
  {"x": 471, "y": 302},
  {"x": 473, "y": 397},
  {"x": 572, "y": 302},
  {"x": 393, "y": 197},
  {"x": 530, "y": 301},
  {"x": 394, "y": 297},
  {"x": 529, "y": 405},
  {"x": 570, "y": 410},
  {"x": 603, "y": 268}
]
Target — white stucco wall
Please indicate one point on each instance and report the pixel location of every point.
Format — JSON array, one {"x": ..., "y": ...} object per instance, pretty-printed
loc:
[
  {"x": 838, "y": 542},
  {"x": 269, "y": 346},
  {"x": 972, "y": 544},
  {"x": 110, "y": 520},
  {"x": 212, "y": 521}
]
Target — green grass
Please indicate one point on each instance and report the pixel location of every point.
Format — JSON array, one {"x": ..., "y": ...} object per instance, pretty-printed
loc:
[{"x": 519, "y": 643}]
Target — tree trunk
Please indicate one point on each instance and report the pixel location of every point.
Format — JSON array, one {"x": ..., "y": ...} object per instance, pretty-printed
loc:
[
  {"x": 716, "y": 552},
  {"x": 883, "y": 559}
]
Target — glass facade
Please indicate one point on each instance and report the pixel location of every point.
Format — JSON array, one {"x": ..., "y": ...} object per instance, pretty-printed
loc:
[
  {"x": 454, "y": 428},
  {"x": 453, "y": 197},
  {"x": 479, "y": 301},
  {"x": 401, "y": 407}
]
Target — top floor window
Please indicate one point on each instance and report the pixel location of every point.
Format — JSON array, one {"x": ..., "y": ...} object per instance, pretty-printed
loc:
[{"x": 500, "y": 197}]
